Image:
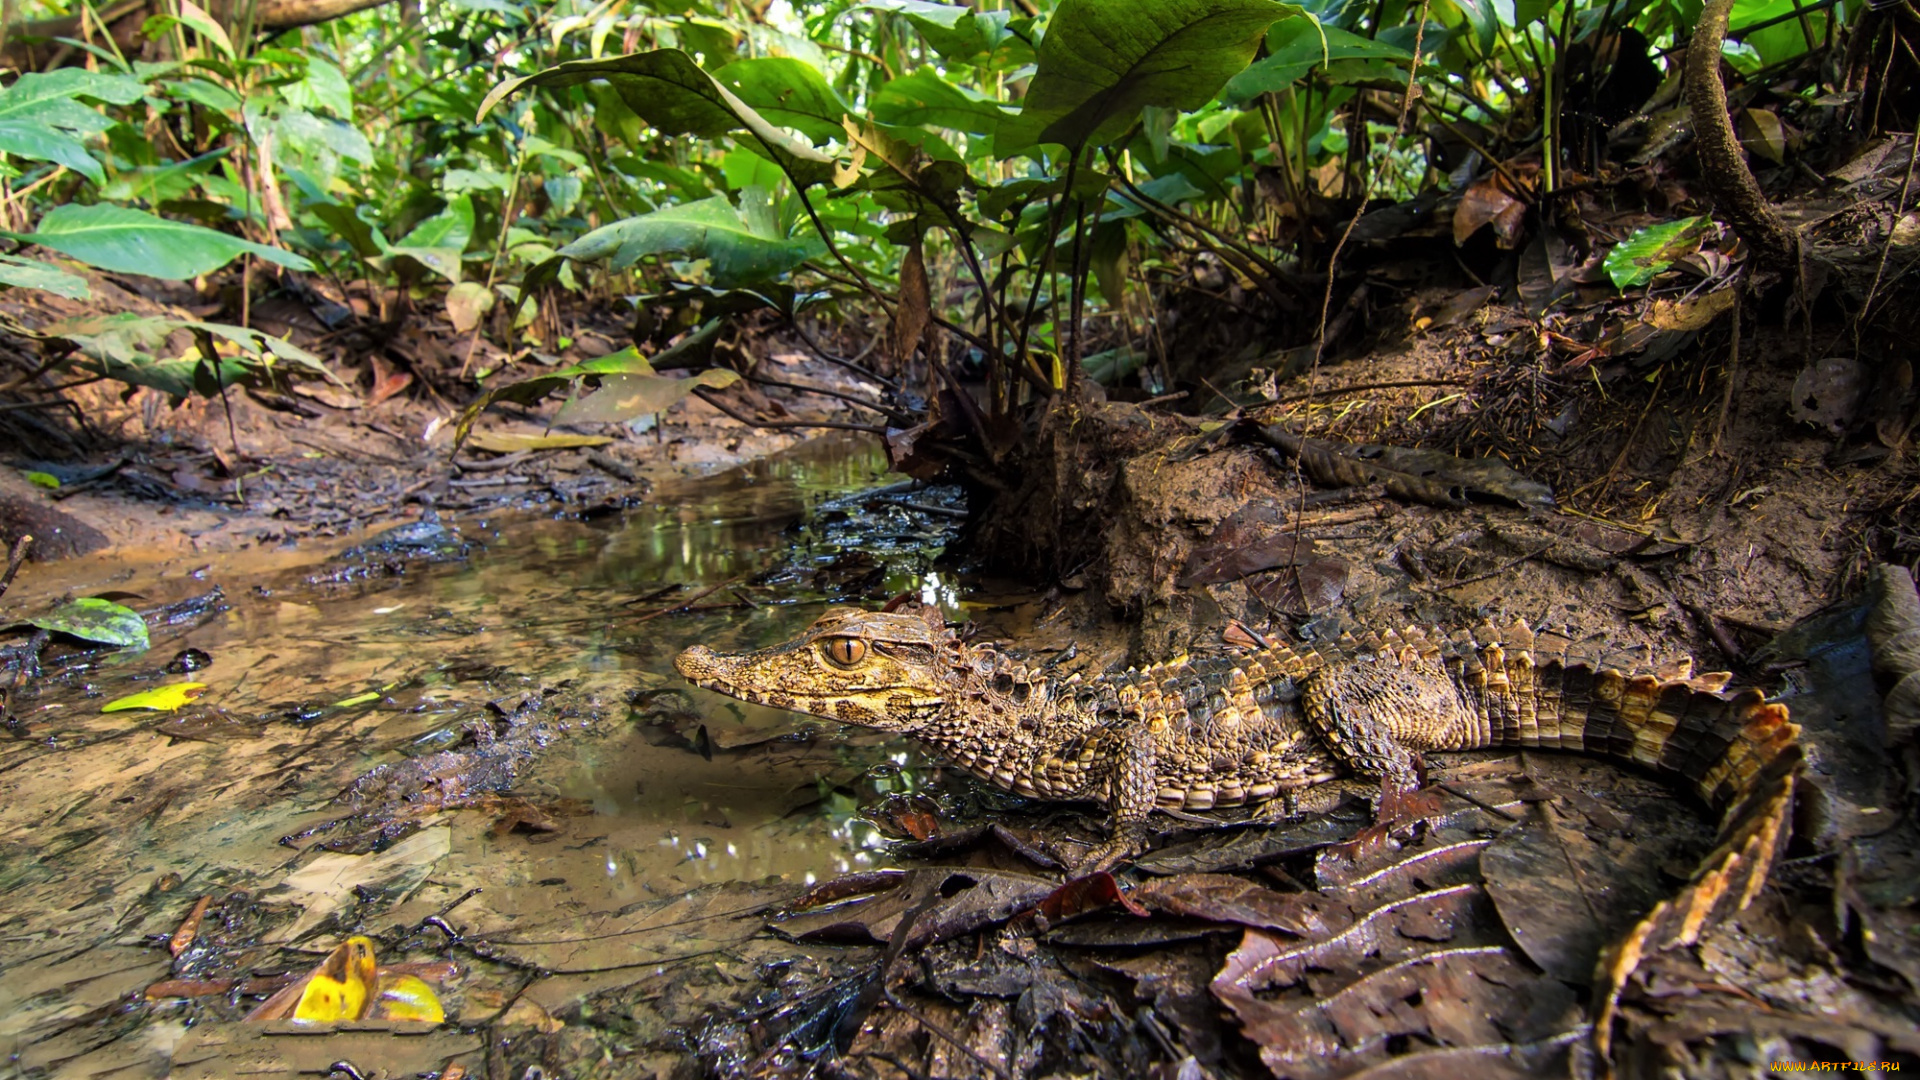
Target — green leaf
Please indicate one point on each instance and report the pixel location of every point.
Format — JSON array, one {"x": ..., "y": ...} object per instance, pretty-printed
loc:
[
  {"x": 1648, "y": 252},
  {"x": 38, "y": 142},
  {"x": 306, "y": 132},
  {"x": 963, "y": 36},
  {"x": 33, "y": 274},
  {"x": 363, "y": 238},
  {"x": 121, "y": 346},
  {"x": 1296, "y": 47},
  {"x": 47, "y": 100},
  {"x": 1102, "y": 62},
  {"x": 744, "y": 245},
  {"x": 438, "y": 242},
  {"x": 674, "y": 94},
  {"x": 788, "y": 92},
  {"x": 324, "y": 87},
  {"x": 129, "y": 241},
  {"x": 169, "y": 698},
  {"x": 923, "y": 98},
  {"x": 95, "y": 620},
  {"x": 45, "y": 480}
]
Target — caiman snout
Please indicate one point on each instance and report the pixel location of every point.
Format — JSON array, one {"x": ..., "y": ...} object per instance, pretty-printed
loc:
[{"x": 698, "y": 664}]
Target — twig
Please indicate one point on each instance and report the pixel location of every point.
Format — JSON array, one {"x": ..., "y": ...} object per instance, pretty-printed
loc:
[
  {"x": 14, "y": 558},
  {"x": 713, "y": 399},
  {"x": 1495, "y": 572},
  {"x": 894, "y": 415},
  {"x": 852, "y": 365},
  {"x": 1733, "y": 354},
  {"x": 1333, "y": 391}
]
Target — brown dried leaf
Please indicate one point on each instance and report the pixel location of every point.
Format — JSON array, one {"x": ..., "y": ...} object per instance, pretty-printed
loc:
[
  {"x": 1225, "y": 898},
  {"x": 1488, "y": 202}
]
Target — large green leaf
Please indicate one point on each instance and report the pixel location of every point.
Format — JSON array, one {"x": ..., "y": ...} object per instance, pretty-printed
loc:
[
  {"x": 1102, "y": 62},
  {"x": 1296, "y": 47},
  {"x": 788, "y": 92},
  {"x": 674, "y": 94},
  {"x": 48, "y": 99},
  {"x": 744, "y": 245},
  {"x": 41, "y": 121},
  {"x": 923, "y": 98},
  {"x": 129, "y": 241}
]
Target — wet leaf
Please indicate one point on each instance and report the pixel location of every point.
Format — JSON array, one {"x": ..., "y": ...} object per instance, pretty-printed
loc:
[
  {"x": 407, "y": 998},
  {"x": 327, "y": 884},
  {"x": 1084, "y": 894},
  {"x": 90, "y": 619},
  {"x": 623, "y": 397},
  {"x": 1648, "y": 252},
  {"x": 510, "y": 442},
  {"x": 167, "y": 698},
  {"x": 342, "y": 987}
]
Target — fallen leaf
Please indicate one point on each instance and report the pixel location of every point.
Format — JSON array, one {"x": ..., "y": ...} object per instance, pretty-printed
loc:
[
  {"x": 167, "y": 698},
  {"x": 501, "y": 442}
]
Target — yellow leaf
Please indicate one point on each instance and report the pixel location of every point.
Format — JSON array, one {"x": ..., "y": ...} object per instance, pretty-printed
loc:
[
  {"x": 407, "y": 997},
  {"x": 508, "y": 442},
  {"x": 342, "y": 987},
  {"x": 161, "y": 698}
]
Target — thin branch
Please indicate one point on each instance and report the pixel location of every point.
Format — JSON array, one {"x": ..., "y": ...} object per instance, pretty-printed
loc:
[
  {"x": 890, "y": 413},
  {"x": 14, "y": 559},
  {"x": 713, "y": 399}
]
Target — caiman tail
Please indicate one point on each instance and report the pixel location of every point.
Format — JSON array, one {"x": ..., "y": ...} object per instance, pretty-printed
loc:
[{"x": 1738, "y": 753}]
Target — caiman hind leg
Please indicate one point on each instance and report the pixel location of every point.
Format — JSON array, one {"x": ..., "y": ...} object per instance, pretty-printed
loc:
[{"x": 1376, "y": 718}]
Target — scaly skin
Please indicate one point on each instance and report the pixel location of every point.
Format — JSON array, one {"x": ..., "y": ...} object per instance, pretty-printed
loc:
[{"x": 1199, "y": 733}]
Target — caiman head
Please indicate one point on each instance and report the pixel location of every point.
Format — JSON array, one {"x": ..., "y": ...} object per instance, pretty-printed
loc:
[{"x": 889, "y": 670}]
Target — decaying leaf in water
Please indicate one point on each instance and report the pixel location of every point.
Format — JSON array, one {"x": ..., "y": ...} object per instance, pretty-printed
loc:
[
  {"x": 327, "y": 883},
  {"x": 350, "y": 985}
]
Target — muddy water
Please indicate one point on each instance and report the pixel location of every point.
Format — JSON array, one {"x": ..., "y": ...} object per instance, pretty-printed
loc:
[{"x": 557, "y": 762}]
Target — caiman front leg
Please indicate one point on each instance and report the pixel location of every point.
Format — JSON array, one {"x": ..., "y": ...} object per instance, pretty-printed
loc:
[{"x": 1131, "y": 799}]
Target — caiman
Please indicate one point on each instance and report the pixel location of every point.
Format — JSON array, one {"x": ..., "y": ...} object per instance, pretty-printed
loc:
[{"x": 1197, "y": 733}]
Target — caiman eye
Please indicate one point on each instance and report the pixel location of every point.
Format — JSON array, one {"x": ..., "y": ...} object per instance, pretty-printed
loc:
[{"x": 845, "y": 651}]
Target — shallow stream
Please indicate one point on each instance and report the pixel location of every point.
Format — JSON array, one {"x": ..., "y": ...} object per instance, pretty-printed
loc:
[{"x": 384, "y": 733}]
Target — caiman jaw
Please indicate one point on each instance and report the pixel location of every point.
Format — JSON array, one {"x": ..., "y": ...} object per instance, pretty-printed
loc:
[{"x": 871, "y": 669}]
